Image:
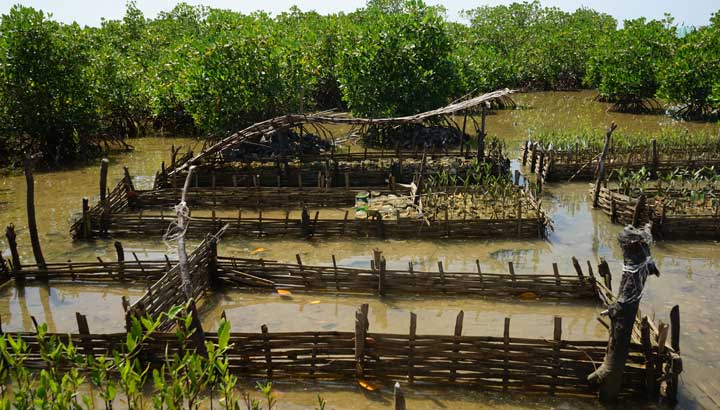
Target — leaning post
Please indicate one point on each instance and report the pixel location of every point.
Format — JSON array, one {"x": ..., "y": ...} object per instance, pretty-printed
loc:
[
  {"x": 481, "y": 136},
  {"x": 183, "y": 215},
  {"x": 29, "y": 164},
  {"x": 637, "y": 265},
  {"x": 15, "y": 255},
  {"x": 601, "y": 164}
]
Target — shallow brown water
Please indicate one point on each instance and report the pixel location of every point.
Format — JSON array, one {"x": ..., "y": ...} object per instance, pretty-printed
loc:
[{"x": 689, "y": 270}]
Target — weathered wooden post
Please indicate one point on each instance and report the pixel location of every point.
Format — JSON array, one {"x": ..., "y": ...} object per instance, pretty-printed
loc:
[
  {"x": 361, "y": 328},
  {"x": 637, "y": 265},
  {"x": 398, "y": 397},
  {"x": 481, "y": 136},
  {"x": 105, "y": 218},
  {"x": 29, "y": 164},
  {"x": 305, "y": 229},
  {"x": 121, "y": 259},
  {"x": 12, "y": 243},
  {"x": 601, "y": 164},
  {"x": 103, "y": 179}
]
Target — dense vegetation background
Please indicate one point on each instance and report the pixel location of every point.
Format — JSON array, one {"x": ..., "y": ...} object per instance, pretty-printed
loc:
[{"x": 197, "y": 70}]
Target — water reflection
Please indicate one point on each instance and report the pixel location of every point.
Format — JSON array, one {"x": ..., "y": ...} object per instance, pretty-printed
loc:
[
  {"x": 246, "y": 312},
  {"x": 56, "y": 304}
]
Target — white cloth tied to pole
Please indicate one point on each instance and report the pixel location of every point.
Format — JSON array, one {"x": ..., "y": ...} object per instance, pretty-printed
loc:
[{"x": 635, "y": 275}]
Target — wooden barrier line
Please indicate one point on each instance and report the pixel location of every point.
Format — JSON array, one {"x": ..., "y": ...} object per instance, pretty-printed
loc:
[
  {"x": 627, "y": 209},
  {"x": 364, "y": 173},
  {"x": 581, "y": 164},
  {"x": 165, "y": 293},
  {"x": 125, "y": 225},
  {"x": 509, "y": 364},
  {"x": 259, "y": 273}
]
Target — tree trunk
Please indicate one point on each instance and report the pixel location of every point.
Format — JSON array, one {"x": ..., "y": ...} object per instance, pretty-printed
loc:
[{"x": 635, "y": 243}]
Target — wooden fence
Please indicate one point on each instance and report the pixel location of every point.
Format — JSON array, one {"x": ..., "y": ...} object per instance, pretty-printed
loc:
[
  {"x": 259, "y": 273},
  {"x": 166, "y": 292},
  {"x": 497, "y": 363},
  {"x": 370, "y": 172},
  {"x": 251, "y": 198},
  {"x": 581, "y": 164},
  {"x": 508, "y": 364},
  {"x": 154, "y": 225},
  {"x": 703, "y": 223}
]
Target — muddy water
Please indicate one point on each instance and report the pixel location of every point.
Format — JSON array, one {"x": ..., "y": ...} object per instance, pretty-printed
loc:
[{"x": 688, "y": 278}]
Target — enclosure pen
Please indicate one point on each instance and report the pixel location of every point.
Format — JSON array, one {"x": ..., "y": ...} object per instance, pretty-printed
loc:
[
  {"x": 562, "y": 162},
  {"x": 670, "y": 220},
  {"x": 541, "y": 366}
]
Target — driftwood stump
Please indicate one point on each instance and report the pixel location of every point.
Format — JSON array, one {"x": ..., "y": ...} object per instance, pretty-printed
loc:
[{"x": 637, "y": 265}]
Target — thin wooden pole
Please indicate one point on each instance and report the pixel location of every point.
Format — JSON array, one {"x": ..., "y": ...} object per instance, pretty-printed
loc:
[
  {"x": 32, "y": 223},
  {"x": 103, "y": 179},
  {"x": 121, "y": 259},
  {"x": 601, "y": 164},
  {"x": 15, "y": 255},
  {"x": 398, "y": 397},
  {"x": 481, "y": 136}
]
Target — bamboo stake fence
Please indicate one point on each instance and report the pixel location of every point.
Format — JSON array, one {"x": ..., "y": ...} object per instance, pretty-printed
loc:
[
  {"x": 266, "y": 274},
  {"x": 639, "y": 208},
  {"x": 115, "y": 217},
  {"x": 497, "y": 363},
  {"x": 581, "y": 164},
  {"x": 508, "y": 364},
  {"x": 375, "y": 172}
]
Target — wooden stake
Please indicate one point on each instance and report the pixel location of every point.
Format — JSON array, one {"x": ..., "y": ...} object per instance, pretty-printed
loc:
[
  {"x": 121, "y": 259},
  {"x": 268, "y": 353},
  {"x": 83, "y": 330},
  {"x": 557, "y": 339},
  {"x": 601, "y": 164},
  {"x": 506, "y": 349},
  {"x": 335, "y": 272},
  {"x": 481, "y": 136},
  {"x": 650, "y": 372},
  {"x": 398, "y": 397},
  {"x": 456, "y": 346},
  {"x": 578, "y": 270},
  {"x": 411, "y": 346},
  {"x": 675, "y": 328},
  {"x": 15, "y": 256},
  {"x": 29, "y": 164},
  {"x": 361, "y": 327},
  {"x": 86, "y": 223},
  {"x": 103, "y": 179},
  {"x": 378, "y": 265}
]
